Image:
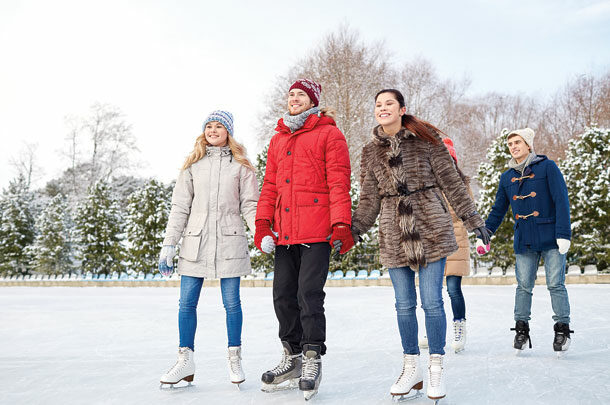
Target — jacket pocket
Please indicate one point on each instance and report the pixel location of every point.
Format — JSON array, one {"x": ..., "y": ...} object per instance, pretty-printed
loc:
[
  {"x": 313, "y": 211},
  {"x": 440, "y": 201},
  {"x": 545, "y": 230},
  {"x": 189, "y": 249},
  {"x": 234, "y": 243}
]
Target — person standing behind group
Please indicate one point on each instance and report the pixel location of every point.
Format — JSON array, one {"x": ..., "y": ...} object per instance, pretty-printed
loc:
[
  {"x": 534, "y": 188},
  {"x": 304, "y": 205},
  {"x": 405, "y": 171},
  {"x": 217, "y": 183},
  {"x": 457, "y": 266}
]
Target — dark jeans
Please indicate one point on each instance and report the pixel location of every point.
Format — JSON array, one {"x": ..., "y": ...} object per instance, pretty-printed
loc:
[
  {"x": 298, "y": 293},
  {"x": 454, "y": 289}
]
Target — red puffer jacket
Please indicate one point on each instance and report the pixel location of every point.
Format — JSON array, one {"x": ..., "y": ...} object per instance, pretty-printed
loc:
[{"x": 307, "y": 182}]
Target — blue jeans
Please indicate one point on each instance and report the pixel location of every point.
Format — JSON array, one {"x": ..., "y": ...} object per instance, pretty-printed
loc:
[
  {"x": 454, "y": 289},
  {"x": 430, "y": 289},
  {"x": 190, "y": 289},
  {"x": 554, "y": 267}
]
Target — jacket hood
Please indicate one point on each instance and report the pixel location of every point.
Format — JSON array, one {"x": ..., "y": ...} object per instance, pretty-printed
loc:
[{"x": 311, "y": 122}]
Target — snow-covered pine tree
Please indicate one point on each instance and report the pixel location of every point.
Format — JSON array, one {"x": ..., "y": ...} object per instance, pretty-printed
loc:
[
  {"x": 364, "y": 255},
  {"x": 52, "y": 248},
  {"x": 147, "y": 212},
  {"x": 259, "y": 260},
  {"x": 98, "y": 231},
  {"x": 17, "y": 229},
  {"x": 586, "y": 169},
  {"x": 488, "y": 175}
]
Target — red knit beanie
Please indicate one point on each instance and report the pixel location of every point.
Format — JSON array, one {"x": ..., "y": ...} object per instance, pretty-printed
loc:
[{"x": 310, "y": 87}]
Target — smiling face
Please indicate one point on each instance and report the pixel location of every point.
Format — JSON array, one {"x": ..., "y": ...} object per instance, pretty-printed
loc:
[
  {"x": 388, "y": 111},
  {"x": 215, "y": 133},
  {"x": 298, "y": 102},
  {"x": 518, "y": 148}
]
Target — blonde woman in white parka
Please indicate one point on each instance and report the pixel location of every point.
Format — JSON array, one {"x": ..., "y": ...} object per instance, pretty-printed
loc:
[{"x": 216, "y": 185}]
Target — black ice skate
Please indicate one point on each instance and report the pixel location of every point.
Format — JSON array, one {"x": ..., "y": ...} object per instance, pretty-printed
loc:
[
  {"x": 522, "y": 330},
  {"x": 286, "y": 374},
  {"x": 561, "y": 342},
  {"x": 311, "y": 373}
]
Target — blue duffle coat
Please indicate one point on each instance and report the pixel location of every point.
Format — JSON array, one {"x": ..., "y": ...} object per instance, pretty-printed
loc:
[{"x": 539, "y": 202}]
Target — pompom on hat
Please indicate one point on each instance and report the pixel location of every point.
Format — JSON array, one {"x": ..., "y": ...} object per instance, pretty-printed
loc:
[
  {"x": 224, "y": 117},
  {"x": 527, "y": 134},
  {"x": 313, "y": 89}
]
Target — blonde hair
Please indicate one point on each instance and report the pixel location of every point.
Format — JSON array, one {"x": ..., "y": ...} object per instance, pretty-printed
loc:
[{"x": 237, "y": 149}]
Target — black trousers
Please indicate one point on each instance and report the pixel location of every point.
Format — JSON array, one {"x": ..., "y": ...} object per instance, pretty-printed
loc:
[{"x": 298, "y": 293}]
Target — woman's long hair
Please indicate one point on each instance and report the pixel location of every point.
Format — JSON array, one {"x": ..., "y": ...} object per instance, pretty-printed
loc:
[
  {"x": 420, "y": 128},
  {"x": 238, "y": 150}
]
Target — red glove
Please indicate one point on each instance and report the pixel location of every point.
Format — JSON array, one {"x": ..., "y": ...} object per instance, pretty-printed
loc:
[
  {"x": 263, "y": 228},
  {"x": 342, "y": 238}
]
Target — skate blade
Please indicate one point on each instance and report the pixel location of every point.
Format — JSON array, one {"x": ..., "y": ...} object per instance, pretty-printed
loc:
[
  {"x": 458, "y": 350},
  {"x": 171, "y": 387},
  {"x": 407, "y": 397},
  {"x": 238, "y": 384},
  {"x": 309, "y": 394},
  {"x": 283, "y": 386}
]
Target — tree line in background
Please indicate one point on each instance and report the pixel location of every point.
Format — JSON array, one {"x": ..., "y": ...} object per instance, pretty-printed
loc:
[{"x": 97, "y": 217}]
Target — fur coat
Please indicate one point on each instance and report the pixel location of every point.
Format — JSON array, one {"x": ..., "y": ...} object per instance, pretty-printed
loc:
[{"x": 403, "y": 179}]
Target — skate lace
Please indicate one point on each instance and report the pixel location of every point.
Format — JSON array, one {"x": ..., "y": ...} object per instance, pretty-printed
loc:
[
  {"x": 310, "y": 368},
  {"x": 457, "y": 331},
  {"x": 436, "y": 371},
  {"x": 235, "y": 364},
  {"x": 285, "y": 363},
  {"x": 180, "y": 363},
  {"x": 408, "y": 364}
]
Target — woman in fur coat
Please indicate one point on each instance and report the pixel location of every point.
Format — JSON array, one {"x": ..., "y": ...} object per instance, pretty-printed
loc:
[
  {"x": 217, "y": 184},
  {"x": 405, "y": 171}
]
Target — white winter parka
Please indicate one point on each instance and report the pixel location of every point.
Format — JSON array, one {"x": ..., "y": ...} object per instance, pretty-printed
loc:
[{"x": 206, "y": 205}]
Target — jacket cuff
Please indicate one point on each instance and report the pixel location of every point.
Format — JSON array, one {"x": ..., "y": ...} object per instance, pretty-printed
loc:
[{"x": 473, "y": 222}]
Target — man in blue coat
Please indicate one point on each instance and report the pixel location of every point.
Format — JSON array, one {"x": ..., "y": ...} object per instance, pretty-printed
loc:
[{"x": 537, "y": 193}]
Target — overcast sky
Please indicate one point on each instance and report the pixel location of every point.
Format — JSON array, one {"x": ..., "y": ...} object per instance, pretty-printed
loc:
[{"x": 167, "y": 64}]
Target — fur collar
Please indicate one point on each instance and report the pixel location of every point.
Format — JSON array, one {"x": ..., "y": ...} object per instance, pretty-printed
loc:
[{"x": 382, "y": 139}]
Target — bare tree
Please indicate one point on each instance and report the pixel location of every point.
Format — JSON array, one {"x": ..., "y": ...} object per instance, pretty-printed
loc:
[
  {"x": 583, "y": 101},
  {"x": 350, "y": 72},
  {"x": 25, "y": 164}
]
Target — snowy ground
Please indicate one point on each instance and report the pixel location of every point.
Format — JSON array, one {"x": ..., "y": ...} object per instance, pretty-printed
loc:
[{"x": 110, "y": 345}]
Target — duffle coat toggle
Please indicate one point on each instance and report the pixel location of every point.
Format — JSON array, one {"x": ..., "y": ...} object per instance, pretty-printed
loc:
[
  {"x": 519, "y": 179},
  {"x": 534, "y": 214},
  {"x": 522, "y": 197}
]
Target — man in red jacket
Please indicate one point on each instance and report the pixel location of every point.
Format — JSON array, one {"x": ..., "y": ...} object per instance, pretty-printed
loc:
[{"x": 304, "y": 209}]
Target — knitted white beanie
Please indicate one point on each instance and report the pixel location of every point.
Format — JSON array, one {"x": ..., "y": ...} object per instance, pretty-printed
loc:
[{"x": 527, "y": 134}]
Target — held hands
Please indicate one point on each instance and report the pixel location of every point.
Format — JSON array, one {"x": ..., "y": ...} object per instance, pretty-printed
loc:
[
  {"x": 166, "y": 260},
  {"x": 564, "y": 245},
  {"x": 482, "y": 249},
  {"x": 341, "y": 239},
  {"x": 264, "y": 238},
  {"x": 483, "y": 240}
]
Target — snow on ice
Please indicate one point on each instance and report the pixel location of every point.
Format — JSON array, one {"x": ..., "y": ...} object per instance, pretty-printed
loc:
[{"x": 111, "y": 345}]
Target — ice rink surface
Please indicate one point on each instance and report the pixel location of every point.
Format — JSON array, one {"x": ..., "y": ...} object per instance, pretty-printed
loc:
[{"x": 111, "y": 345}]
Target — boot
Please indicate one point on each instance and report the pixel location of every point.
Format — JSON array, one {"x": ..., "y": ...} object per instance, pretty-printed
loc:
[
  {"x": 289, "y": 369},
  {"x": 423, "y": 342},
  {"x": 410, "y": 378},
  {"x": 522, "y": 335},
  {"x": 459, "y": 335},
  {"x": 184, "y": 369},
  {"x": 561, "y": 342},
  {"x": 236, "y": 373},
  {"x": 311, "y": 372},
  {"x": 436, "y": 379}
]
